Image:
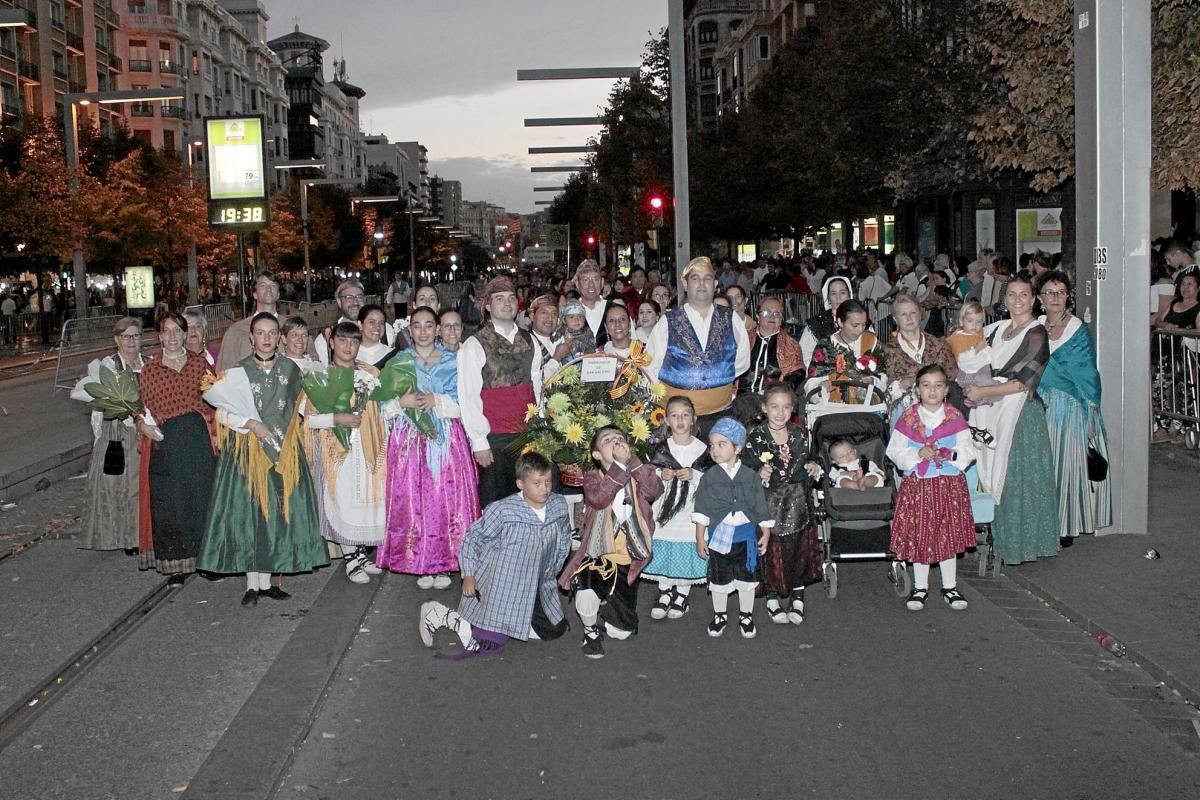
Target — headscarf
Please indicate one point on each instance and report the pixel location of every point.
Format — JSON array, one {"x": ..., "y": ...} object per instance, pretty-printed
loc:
[
  {"x": 495, "y": 285},
  {"x": 572, "y": 307},
  {"x": 825, "y": 289},
  {"x": 542, "y": 300},
  {"x": 731, "y": 429}
]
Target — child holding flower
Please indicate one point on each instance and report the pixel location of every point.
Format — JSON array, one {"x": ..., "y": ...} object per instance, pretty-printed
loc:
[
  {"x": 776, "y": 450},
  {"x": 348, "y": 467}
]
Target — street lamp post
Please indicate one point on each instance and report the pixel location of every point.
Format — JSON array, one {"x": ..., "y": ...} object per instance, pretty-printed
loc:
[
  {"x": 71, "y": 103},
  {"x": 285, "y": 165}
]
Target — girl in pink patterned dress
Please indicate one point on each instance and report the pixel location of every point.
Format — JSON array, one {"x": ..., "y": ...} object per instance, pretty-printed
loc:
[{"x": 931, "y": 444}]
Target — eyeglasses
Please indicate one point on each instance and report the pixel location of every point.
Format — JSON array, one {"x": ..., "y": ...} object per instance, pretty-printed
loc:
[
  {"x": 353, "y": 297},
  {"x": 1053, "y": 294},
  {"x": 130, "y": 337},
  {"x": 765, "y": 314}
]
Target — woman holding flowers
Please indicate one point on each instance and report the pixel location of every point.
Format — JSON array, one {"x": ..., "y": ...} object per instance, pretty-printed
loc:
[
  {"x": 111, "y": 519},
  {"x": 181, "y": 461},
  {"x": 346, "y": 446},
  {"x": 432, "y": 485},
  {"x": 851, "y": 353},
  {"x": 263, "y": 515}
]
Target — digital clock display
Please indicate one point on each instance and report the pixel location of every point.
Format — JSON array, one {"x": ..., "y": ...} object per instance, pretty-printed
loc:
[{"x": 243, "y": 214}]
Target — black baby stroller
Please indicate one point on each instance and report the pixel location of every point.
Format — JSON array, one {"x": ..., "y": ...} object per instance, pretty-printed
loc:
[{"x": 854, "y": 524}]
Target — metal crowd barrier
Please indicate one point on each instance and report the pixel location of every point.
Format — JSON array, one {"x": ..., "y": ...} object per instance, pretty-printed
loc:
[
  {"x": 77, "y": 345},
  {"x": 797, "y": 308},
  {"x": 219, "y": 317},
  {"x": 1176, "y": 380}
]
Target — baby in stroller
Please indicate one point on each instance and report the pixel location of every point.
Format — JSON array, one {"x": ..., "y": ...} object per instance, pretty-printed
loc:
[{"x": 851, "y": 471}]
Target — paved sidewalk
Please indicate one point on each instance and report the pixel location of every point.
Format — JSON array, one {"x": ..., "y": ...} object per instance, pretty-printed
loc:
[{"x": 1105, "y": 585}]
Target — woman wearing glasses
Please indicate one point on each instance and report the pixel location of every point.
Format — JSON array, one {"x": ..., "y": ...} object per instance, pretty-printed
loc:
[
  {"x": 111, "y": 520},
  {"x": 1070, "y": 388}
]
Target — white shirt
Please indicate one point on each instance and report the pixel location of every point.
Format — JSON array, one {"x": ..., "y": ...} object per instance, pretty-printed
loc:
[
  {"x": 613, "y": 350},
  {"x": 322, "y": 346},
  {"x": 657, "y": 346},
  {"x": 902, "y": 453},
  {"x": 471, "y": 360}
]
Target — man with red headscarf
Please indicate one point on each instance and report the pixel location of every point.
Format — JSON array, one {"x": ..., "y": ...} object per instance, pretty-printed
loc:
[{"x": 498, "y": 378}]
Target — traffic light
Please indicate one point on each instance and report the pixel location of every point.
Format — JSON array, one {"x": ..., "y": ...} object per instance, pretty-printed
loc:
[
  {"x": 590, "y": 239},
  {"x": 656, "y": 202},
  {"x": 656, "y": 207}
]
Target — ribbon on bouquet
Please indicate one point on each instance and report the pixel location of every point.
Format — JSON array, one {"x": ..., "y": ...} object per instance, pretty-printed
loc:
[{"x": 631, "y": 368}]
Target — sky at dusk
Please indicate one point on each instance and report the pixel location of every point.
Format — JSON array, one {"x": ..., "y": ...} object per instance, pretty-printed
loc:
[{"x": 444, "y": 72}]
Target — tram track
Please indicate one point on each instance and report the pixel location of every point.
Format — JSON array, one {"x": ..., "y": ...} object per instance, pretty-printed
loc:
[{"x": 21, "y": 714}]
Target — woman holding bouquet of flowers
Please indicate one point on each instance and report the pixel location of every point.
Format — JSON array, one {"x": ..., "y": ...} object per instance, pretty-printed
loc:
[
  {"x": 432, "y": 484},
  {"x": 346, "y": 446},
  {"x": 111, "y": 519},
  {"x": 181, "y": 461},
  {"x": 263, "y": 515},
  {"x": 851, "y": 353}
]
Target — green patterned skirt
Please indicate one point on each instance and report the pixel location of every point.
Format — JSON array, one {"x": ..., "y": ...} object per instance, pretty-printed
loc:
[
  {"x": 239, "y": 539},
  {"x": 1026, "y": 526}
]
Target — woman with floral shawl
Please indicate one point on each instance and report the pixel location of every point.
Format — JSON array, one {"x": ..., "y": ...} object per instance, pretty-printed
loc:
[{"x": 263, "y": 516}]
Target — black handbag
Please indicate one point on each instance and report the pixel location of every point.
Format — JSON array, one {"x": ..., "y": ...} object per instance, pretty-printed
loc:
[
  {"x": 1097, "y": 465},
  {"x": 114, "y": 458}
]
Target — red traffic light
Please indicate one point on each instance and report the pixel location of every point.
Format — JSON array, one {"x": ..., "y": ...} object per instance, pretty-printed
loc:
[
  {"x": 656, "y": 203},
  {"x": 591, "y": 240}
]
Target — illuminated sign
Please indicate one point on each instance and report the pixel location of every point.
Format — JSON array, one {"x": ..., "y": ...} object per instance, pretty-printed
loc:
[
  {"x": 236, "y": 157},
  {"x": 139, "y": 287}
]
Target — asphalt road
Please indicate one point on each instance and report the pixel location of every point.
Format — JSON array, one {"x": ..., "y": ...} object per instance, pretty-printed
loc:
[{"x": 331, "y": 695}]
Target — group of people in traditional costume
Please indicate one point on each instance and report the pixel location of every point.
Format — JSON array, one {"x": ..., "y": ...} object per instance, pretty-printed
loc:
[{"x": 245, "y": 474}]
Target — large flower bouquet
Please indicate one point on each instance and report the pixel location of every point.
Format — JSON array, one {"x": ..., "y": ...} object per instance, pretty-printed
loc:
[
  {"x": 853, "y": 377},
  {"x": 571, "y": 411}
]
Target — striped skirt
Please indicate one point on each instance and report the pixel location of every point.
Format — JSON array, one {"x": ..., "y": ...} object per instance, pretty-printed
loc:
[
  {"x": 933, "y": 519},
  {"x": 1083, "y": 506}
]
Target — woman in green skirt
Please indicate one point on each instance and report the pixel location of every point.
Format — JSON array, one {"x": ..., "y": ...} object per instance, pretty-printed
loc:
[
  {"x": 1017, "y": 468},
  {"x": 263, "y": 516}
]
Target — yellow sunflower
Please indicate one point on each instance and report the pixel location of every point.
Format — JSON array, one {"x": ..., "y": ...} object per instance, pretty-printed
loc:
[
  {"x": 574, "y": 433},
  {"x": 657, "y": 417},
  {"x": 639, "y": 429}
]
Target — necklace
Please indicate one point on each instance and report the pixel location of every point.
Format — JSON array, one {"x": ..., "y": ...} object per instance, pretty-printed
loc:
[
  {"x": 177, "y": 357},
  {"x": 1060, "y": 322},
  {"x": 920, "y": 343},
  {"x": 265, "y": 359},
  {"x": 1012, "y": 331}
]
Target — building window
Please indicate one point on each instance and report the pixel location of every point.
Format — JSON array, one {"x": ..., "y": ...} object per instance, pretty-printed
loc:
[
  {"x": 708, "y": 32},
  {"x": 60, "y": 65},
  {"x": 708, "y": 105},
  {"x": 706, "y": 69},
  {"x": 764, "y": 48}
]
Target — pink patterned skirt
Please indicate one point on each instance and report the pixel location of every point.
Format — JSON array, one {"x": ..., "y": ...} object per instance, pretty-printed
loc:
[
  {"x": 428, "y": 513},
  {"x": 933, "y": 519}
]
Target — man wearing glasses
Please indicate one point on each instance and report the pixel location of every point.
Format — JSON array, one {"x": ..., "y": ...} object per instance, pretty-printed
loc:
[
  {"x": 236, "y": 343},
  {"x": 774, "y": 355},
  {"x": 350, "y": 297}
]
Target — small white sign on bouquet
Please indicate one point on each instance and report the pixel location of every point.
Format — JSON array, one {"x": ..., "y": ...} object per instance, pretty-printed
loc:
[{"x": 599, "y": 370}]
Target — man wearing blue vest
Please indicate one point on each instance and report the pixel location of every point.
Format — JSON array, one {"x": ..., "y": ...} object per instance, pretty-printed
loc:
[{"x": 697, "y": 350}]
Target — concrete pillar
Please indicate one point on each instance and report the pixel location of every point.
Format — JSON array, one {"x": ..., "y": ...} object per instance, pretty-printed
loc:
[{"x": 1112, "y": 201}]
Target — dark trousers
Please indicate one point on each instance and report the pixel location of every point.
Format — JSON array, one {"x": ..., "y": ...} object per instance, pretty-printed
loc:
[
  {"x": 621, "y": 608},
  {"x": 400, "y": 310},
  {"x": 500, "y": 479}
]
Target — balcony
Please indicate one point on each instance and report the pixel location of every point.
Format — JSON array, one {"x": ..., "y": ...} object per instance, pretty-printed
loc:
[
  {"x": 170, "y": 68},
  {"x": 7, "y": 53},
  {"x": 175, "y": 112},
  {"x": 141, "y": 65},
  {"x": 141, "y": 109},
  {"x": 156, "y": 23},
  {"x": 75, "y": 42},
  {"x": 114, "y": 62},
  {"x": 31, "y": 71}
]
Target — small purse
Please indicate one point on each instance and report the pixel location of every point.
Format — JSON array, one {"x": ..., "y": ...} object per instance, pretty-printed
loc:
[
  {"x": 1097, "y": 465},
  {"x": 114, "y": 458}
]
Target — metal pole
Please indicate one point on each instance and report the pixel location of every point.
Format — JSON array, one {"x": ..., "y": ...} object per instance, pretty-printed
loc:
[
  {"x": 79, "y": 267},
  {"x": 683, "y": 231},
  {"x": 1112, "y": 201},
  {"x": 242, "y": 269},
  {"x": 568, "y": 248},
  {"x": 304, "y": 226},
  {"x": 412, "y": 246}
]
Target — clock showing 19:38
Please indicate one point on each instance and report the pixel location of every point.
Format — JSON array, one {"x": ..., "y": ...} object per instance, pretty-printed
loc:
[{"x": 242, "y": 214}]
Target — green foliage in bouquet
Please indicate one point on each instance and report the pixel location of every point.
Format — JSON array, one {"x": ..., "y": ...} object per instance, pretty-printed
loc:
[
  {"x": 397, "y": 378},
  {"x": 116, "y": 394},
  {"x": 332, "y": 392}
]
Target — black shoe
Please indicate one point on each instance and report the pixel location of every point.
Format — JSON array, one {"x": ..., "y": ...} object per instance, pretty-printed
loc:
[
  {"x": 593, "y": 641},
  {"x": 131, "y": 551},
  {"x": 717, "y": 626},
  {"x": 177, "y": 579},
  {"x": 250, "y": 598},
  {"x": 1066, "y": 541},
  {"x": 275, "y": 593},
  {"x": 746, "y": 623}
]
